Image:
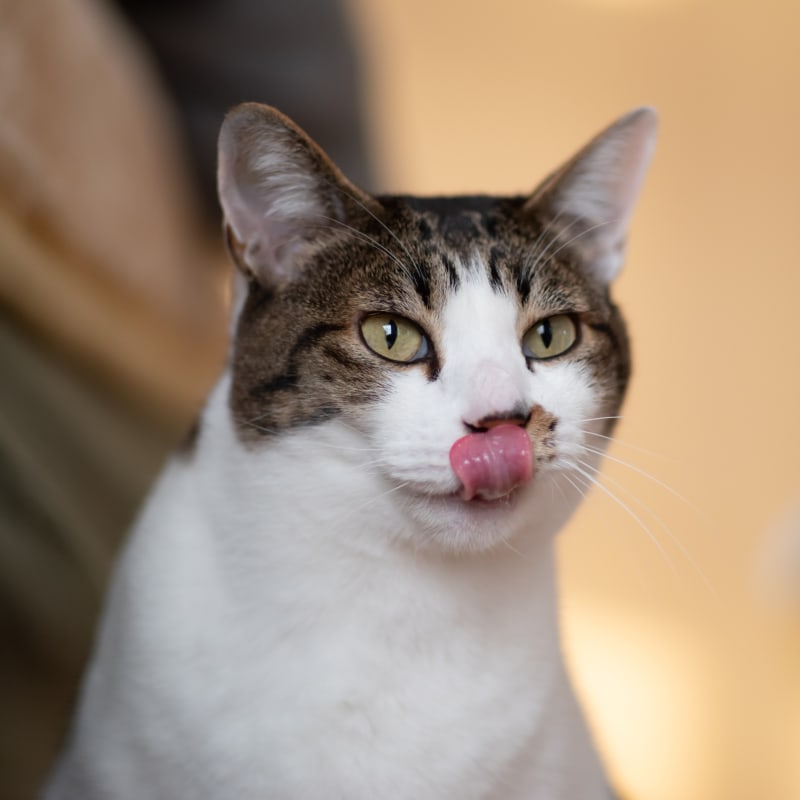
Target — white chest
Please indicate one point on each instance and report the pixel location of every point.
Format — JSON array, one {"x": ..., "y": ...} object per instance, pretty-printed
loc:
[{"x": 278, "y": 655}]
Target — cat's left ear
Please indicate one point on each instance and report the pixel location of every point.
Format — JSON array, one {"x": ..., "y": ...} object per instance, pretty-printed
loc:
[
  {"x": 591, "y": 198},
  {"x": 281, "y": 195}
]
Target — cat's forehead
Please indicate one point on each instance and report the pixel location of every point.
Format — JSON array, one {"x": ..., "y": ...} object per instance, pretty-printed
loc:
[
  {"x": 424, "y": 249},
  {"x": 458, "y": 223}
]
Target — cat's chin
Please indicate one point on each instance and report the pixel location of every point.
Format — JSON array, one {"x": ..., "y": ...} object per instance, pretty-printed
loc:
[{"x": 455, "y": 525}]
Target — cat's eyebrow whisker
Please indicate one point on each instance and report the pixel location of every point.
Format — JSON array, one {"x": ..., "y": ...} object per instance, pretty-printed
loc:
[
  {"x": 367, "y": 239},
  {"x": 539, "y": 258},
  {"x": 584, "y": 232},
  {"x": 538, "y": 255},
  {"x": 543, "y": 242},
  {"x": 388, "y": 230}
]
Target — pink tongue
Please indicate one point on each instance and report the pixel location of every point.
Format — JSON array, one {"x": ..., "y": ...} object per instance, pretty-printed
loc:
[{"x": 492, "y": 463}]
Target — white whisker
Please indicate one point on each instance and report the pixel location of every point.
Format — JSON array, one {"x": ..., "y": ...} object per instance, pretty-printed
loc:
[
  {"x": 538, "y": 254},
  {"x": 363, "y": 237},
  {"x": 372, "y": 500},
  {"x": 667, "y": 530},
  {"x": 665, "y": 486},
  {"x": 595, "y": 481},
  {"x": 579, "y": 235},
  {"x": 513, "y": 549},
  {"x": 579, "y": 489},
  {"x": 388, "y": 230},
  {"x": 600, "y": 419},
  {"x": 620, "y": 442}
]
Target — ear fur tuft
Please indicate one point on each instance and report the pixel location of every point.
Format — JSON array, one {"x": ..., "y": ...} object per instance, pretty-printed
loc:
[
  {"x": 280, "y": 194},
  {"x": 592, "y": 196}
]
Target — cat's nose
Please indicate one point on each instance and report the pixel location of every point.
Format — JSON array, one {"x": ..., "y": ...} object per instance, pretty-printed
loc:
[
  {"x": 495, "y": 394},
  {"x": 517, "y": 416}
]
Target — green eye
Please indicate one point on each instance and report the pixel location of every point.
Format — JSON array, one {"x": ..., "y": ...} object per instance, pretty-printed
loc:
[
  {"x": 394, "y": 338},
  {"x": 551, "y": 337}
]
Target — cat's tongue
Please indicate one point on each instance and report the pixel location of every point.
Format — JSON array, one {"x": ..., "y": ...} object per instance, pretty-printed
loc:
[{"x": 490, "y": 464}]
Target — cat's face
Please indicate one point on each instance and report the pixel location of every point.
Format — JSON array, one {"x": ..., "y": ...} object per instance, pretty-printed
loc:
[{"x": 469, "y": 343}]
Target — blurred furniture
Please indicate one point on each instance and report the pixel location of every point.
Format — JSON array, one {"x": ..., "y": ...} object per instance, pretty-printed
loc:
[
  {"x": 112, "y": 287},
  {"x": 111, "y": 329}
]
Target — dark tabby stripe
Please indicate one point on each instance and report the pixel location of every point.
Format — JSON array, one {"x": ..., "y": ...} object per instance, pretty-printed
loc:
[
  {"x": 288, "y": 379},
  {"x": 453, "y": 279},
  {"x": 495, "y": 279},
  {"x": 523, "y": 286},
  {"x": 422, "y": 284}
]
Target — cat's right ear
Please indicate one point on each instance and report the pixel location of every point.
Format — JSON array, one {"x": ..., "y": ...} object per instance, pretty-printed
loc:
[{"x": 282, "y": 197}]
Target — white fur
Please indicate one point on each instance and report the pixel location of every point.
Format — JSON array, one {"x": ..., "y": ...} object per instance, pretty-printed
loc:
[
  {"x": 319, "y": 618},
  {"x": 483, "y": 373}
]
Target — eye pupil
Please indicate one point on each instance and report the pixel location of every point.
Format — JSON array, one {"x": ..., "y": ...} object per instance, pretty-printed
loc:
[
  {"x": 546, "y": 333},
  {"x": 390, "y": 331}
]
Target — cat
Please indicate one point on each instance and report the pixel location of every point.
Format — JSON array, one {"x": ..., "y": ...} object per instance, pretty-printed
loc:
[{"x": 344, "y": 586}]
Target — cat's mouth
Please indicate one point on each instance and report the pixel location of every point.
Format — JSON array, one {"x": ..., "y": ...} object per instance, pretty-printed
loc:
[{"x": 491, "y": 464}]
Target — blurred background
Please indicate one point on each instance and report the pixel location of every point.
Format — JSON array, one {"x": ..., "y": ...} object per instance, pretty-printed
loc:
[{"x": 681, "y": 575}]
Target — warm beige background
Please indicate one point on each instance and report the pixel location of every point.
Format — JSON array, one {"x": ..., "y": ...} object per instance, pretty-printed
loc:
[
  {"x": 694, "y": 698},
  {"x": 110, "y": 332}
]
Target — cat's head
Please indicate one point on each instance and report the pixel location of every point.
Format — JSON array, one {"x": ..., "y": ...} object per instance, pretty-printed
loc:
[{"x": 469, "y": 343}]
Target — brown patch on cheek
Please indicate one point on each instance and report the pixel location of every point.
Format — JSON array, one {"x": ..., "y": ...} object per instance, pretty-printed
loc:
[
  {"x": 348, "y": 372},
  {"x": 308, "y": 376},
  {"x": 541, "y": 428}
]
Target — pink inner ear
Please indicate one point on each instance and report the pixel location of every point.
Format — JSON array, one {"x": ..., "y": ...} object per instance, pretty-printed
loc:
[
  {"x": 275, "y": 187},
  {"x": 492, "y": 463}
]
